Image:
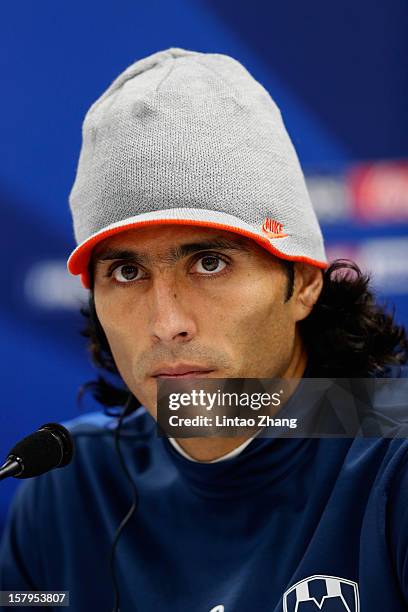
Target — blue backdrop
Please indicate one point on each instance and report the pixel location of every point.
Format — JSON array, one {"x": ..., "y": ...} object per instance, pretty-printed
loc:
[{"x": 337, "y": 70}]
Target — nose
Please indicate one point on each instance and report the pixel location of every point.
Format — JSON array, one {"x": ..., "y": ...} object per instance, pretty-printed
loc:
[{"x": 171, "y": 319}]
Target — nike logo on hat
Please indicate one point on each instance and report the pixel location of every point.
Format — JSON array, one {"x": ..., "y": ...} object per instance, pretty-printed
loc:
[{"x": 273, "y": 229}]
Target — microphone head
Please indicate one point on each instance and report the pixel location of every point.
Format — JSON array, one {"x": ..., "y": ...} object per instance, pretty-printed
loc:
[
  {"x": 66, "y": 439},
  {"x": 50, "y": 447}
]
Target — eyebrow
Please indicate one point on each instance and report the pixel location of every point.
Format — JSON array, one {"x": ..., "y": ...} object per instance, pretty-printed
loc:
[{"x": 174, "y": 253}]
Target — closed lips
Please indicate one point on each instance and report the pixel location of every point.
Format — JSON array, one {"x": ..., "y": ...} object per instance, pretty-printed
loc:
[{"x": 180, "y": 369}]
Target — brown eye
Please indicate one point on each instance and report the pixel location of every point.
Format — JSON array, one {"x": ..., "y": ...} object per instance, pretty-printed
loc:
[
  {"x": 210, "y": 263},
  {"x": 125, "y": 273}
]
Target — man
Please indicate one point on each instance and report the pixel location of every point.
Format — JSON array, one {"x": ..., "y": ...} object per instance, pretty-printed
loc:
[{"x": 202, "y": 252}]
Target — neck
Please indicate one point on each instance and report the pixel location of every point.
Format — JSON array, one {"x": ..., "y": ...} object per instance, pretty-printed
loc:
[{"x": 208, "y": 449}]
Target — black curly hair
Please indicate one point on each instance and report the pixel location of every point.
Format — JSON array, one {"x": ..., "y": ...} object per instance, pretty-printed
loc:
[{"x": 347, "y": 334}]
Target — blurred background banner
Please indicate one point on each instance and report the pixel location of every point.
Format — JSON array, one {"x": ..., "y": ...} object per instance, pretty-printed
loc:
[{"x": 339, "y": 73}]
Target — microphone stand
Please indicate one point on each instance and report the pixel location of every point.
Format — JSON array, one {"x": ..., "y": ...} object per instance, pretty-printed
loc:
[{"x": 12, "y": 467}]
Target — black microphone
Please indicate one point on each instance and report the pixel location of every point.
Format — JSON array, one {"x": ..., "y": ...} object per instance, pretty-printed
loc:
[{"x": 50, "y": 447}]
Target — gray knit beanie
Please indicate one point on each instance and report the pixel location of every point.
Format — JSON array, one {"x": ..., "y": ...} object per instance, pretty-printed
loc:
[{"x": 192, "y": 138}]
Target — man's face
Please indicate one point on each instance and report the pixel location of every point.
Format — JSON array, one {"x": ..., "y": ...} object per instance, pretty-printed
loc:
[{"x": 220, "y": 308}]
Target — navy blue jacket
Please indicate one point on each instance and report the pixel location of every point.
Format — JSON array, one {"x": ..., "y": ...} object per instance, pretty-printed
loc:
[{"x": 289, "y": 525}]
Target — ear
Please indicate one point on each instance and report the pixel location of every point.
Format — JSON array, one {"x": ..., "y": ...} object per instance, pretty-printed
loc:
[{"x": 308, "y": 286}]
